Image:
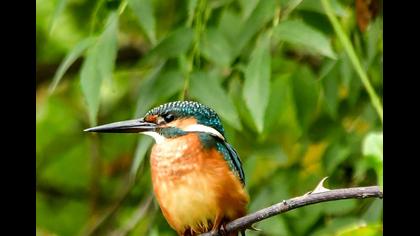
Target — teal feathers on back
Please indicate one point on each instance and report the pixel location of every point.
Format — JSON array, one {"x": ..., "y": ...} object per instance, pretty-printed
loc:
[
  {"x": 232, "y": 158},
  {"x": 228, "y": 152}
]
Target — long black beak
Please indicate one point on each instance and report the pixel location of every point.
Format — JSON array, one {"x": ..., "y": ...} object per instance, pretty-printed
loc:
[{"x": 128, "y": 126}]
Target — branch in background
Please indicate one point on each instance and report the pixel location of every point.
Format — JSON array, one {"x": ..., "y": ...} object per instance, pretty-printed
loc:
[{"x": 320, "y": 194}]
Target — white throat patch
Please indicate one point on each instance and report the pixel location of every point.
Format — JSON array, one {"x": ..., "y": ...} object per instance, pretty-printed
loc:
[
  {"x": 204, "y": 129},
  {"x": 158, "y": 138}
]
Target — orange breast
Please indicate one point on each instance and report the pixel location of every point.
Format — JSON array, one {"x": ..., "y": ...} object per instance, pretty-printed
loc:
[{"x": 194, "y": 186}]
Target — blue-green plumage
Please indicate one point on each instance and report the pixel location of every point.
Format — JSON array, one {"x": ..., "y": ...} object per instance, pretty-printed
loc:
[{"x": 204, "y": 116}]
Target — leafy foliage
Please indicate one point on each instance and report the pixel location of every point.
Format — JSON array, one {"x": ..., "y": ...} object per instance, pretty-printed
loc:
[{"x": 289, "y": 86}]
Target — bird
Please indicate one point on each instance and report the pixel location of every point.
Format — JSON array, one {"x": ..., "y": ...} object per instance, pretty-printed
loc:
[{"x": 197, "y": 176}]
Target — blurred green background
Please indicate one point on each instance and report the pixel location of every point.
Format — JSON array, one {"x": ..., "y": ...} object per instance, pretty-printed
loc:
[{"x": 294, "y": 82}]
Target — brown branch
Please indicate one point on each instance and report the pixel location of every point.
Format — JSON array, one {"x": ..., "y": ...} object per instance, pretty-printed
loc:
[{"x": 307, "y": 199}]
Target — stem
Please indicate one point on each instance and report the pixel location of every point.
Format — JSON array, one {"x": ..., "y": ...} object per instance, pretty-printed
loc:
[
  {"x": 348, "y": 47},
  {"x": 201, "y": 15}
]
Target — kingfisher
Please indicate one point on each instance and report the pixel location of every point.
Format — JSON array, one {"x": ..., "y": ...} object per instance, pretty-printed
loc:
[{"x": 197, "y": 176}]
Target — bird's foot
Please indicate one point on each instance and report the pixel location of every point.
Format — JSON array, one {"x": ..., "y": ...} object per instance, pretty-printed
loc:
[{"x": 220, "y": 231}]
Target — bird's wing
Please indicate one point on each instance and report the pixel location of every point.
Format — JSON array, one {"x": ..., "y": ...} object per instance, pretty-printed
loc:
[{"x": 233, "y": 160}]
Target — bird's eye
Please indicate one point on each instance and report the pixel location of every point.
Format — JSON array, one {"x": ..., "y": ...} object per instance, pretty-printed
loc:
[{"x": 168, "y": 118}]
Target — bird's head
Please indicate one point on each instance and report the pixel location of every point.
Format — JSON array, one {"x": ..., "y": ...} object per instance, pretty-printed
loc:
[{"x": 170, "y": 120}]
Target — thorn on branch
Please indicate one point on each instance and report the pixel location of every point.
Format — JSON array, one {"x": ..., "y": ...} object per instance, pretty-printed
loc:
[{"x": 320, "y": 187}]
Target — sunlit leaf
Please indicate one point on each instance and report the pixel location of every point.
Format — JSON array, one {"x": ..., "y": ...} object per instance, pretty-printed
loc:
[
  {"x": 362, "y": 230},
  {"x": 145, "y": 15},
  {"x": 338, "y": 225},
  {"x": 373, "y": 150},
  {"x": 207, "y": 89},
  {"x": 373, "y": 146},
  {"x": 257, "y": 81},
  {"x": 75, "y": 53},
  {"x": 301, "y": 34},
  {"x": 61, "y": 4}
]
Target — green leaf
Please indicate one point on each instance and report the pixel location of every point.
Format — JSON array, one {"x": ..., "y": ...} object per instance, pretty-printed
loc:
[
  {"x": 207, "y": 89},
  {"x": 57, "y": 12},
  {"x": 91, "y": 84},
  {"x": 144, "y": 12},
  {"x": 301, "y": 34},
  {"x": 373, "y": 145},
  {"x": 157, "y": 88},
  {"x": 289, "y": 7},
  {"x": 257, "y": 81},
  {"x": 334, "y": 156},
  {"x": 374, "y": 212},
  {"x": 216, "y": 48},
  {"x": 339, "y": 225},
  {"x": 107, "y": 47},
  {"x": 281, "y": 106},
  {"x": 143, "y": 146},
  {"x": 70, "y": 58},
  {"x": 355, "y": 60},
  {"x": 373, "y": 150},
  {"x": 147, "y": 96},
  {"x": 230, "y": 25},
  {"x": 306, "y": 218},
  {"x": 62, "y": 216},
  {"x": 305, "y": 92},
  {"x": 316, "y": 6},
  {"x": 330, "y": 85},
  {"x": 340, "y": 207},
  {"x": 99, "y": 65},
  {"x": 362, "y": 230},
  {"x": 235, "y": 89},
  {"x": 192, "y": 4},
  {"x": 175, "y": 44},
  {"x": 247, "y": 6},
  {"x": 261, "y": 14}
]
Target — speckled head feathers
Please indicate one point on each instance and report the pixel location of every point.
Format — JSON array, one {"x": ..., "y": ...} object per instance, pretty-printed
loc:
[{"x": 185, "y": 109}]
